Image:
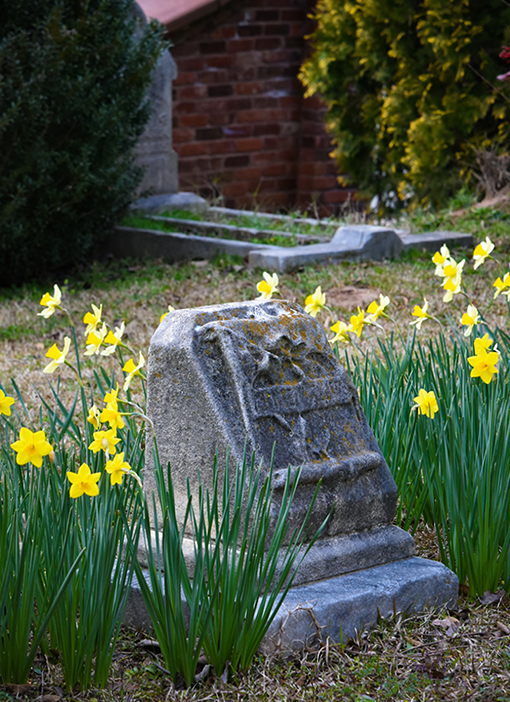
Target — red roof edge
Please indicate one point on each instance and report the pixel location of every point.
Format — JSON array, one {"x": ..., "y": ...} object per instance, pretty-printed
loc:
[{"x": 175, "y": 14}]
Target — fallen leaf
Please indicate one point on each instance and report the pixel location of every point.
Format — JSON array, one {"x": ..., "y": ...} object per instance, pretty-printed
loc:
[
  {"x": 492, "y": 597},
  {"x": 451, "y": 624},
  {"x": 17, "y": 689}
]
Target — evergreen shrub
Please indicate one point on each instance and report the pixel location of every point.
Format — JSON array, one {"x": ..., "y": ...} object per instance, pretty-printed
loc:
[
  {"x": 411, "y": 90},
  {"x": 73, "y": 81}
]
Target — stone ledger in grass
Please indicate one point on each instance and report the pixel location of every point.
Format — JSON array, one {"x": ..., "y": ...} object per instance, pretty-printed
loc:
[{"x": 264, "y": 373}]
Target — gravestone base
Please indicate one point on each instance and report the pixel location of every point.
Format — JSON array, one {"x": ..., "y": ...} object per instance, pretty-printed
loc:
[
  {"x": 156, "y": 204},
  {"x": 341, "y": 606}
]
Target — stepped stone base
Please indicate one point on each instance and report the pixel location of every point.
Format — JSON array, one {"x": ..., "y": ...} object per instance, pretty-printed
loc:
[
  {"x": 347, "y": 604},
  {"x": 340, "y": 607}
]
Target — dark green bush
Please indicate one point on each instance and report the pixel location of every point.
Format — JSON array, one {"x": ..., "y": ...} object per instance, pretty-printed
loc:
[
  {"x": 73, "y": 80},
  {"x": 411, "y": 90}
]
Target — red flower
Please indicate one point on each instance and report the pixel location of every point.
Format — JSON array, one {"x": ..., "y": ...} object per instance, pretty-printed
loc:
[{"x": 505, "y": 53}]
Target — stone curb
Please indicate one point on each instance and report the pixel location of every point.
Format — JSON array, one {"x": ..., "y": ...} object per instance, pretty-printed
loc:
[{"x": 351, "y": 243}]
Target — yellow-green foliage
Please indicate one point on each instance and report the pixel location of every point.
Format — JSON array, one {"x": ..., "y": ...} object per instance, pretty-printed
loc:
[{"x": 411, "y": 90}]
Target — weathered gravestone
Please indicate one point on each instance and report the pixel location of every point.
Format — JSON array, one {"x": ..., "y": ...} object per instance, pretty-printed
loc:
[
  {"x": 154, "y": 151},
  {"x": 264, "y": 372}
]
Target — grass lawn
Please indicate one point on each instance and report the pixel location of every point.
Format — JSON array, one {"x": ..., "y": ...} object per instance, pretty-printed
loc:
[{"x": 460, "y": 655}]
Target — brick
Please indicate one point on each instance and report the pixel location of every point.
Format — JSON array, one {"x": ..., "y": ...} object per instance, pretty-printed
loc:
[
  {"x": 223, "y": 32},
  {"x": 221, "y": 61},
  {"x": 221, "y": 118},
  {"x": 280, "y": 142},
  {"x": 222, "y": 146},
  {"x": 269, "y": 72},
  {"x": 191, "y": 121},
  {"x": 180, "y": 107},
  {"x": 240, "y": 45},
  {"x": 290, "y": 129},
  {"x": 182, "y": 135},
  {"x": 209, "y": 134},
  {"x": 267, "y": 43},
  {"x": 192, "y": 149},
  {"x": 267, "y": 16},
  {"x": 328, "y": 182},
  {"x": 235, "y": 188},
  {"x": 220, "y": 90},
  {"x": 212, "y": 47},
  {"x": 186, "y": 50},
  {"x": 282, "y": 56},
  {"x": 249, "y": 88},
  {"x": 266, "y": 129},
  {"x": 296, "y": 15},
  {"x": 247, "y": 74},
  {"x": 296, "y": 29},
  {"x": 249, "y": 30},
  {"x": 274, "y": 169},
  {"x": 306, "y": 183},
  {"x": 190, "y": 92},
  {"x": 307, "y": 142},
  {"x": 253, "y": 174},
  {"x": 294, "y": 42},
  {"x": 280, "y": 30},
  {"x": 259, "y": 116},
  {"x": 190, "y": 64},
  {"x": 185, "y": 78},
  {"x": 251, "y": 144},
  {"x": 213, "y": 76},
  {"x": 237, "y": 104},
  {"x": 236, "y": 131},
  {"x": 237, "y": 161}
]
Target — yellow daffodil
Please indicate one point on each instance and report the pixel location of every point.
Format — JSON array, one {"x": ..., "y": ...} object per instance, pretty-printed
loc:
[
  {"x": 483, "y": 344},
  {"x": 58, "y": 357},
  {"x": 83, "y": 482},
  {"x": 469, "y": 319},
  {"x": 31, "y": 446},
  {"x": 421, "y": 314},
  {"x": 375, "y": 310},
  {"x": 113, "y": 338},
  {"x": 105, "y": 441},
  {"x": 316, "y": 302},
  {"x": 267, "y": 287},
  {"x": 484, "y": 364},
  {"x": 440, "y": 258},
  {"x": 117, "y": 468},
  {"x": 170, "y": 309},
  {"x": 502, "y": 286},
  {"x": 357, "y": 323},
  {"x": 482, "y": 251},
  {"x": 51, "y": 302},
  {"x": 426, "y": 403},
  {"x": 111, "y": 415},
  {"x": 93, "y": 417},
  {"x": 5, "y": 403},
  {"x": 340, "y": 329},
  {"x": 112, "y": 396},
  {"x": 132, "y": 370},
  {"x": 452, "y": 287},
  {"x": 92, "y": 319},
  {"x": 94, "y": 341}
]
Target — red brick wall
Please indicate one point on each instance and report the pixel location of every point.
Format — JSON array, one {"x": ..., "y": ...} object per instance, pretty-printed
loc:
[{"x": 242, "y": 128}]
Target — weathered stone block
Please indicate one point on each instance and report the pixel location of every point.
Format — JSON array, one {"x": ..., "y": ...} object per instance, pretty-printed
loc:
[{"x": 264, "y": 373}]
